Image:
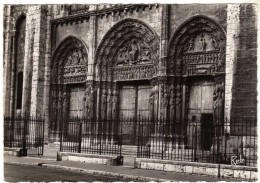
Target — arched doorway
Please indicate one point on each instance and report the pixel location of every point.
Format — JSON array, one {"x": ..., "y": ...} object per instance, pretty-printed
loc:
[
  {"x": 197, "y": 65},
  {"x": 126, "y": 62},
  {"x": 68, "y": 76}
]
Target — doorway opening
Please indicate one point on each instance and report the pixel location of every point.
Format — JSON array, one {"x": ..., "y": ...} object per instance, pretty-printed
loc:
[
  {"x": 200, "y": 113},
  {"x": 134, "y": 102}
]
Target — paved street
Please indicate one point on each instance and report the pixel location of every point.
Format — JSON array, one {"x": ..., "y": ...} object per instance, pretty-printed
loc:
[{"x": 18, "y": 173}]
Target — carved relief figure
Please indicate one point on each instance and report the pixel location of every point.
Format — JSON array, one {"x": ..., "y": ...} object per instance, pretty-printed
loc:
[
  {"x": 190, "y": 46},
  {"x": 114, "y": 105},
  {"x": 200, "y": 43},
  {"x": 122, "y": 57},
  {"x": 218, "y": 98},
  {"x": 89, "y": 99},
  {"x": 65, "y": 101},
  {"x": 145, "y": 53},
  {"x": 109, "y": 104},
  {"x": 104, "y": 105},
  {"x": 133, "y": 52},
  {"x": 218, "y": 95}
]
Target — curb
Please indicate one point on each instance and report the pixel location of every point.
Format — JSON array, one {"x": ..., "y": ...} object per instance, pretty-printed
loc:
[{"x": 93, "y": 172}]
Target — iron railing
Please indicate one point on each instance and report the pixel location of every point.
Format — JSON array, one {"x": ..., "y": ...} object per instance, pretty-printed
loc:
[
  {"x": 85, "y": 135},
  {"x": 229, "y": 142},
  {"x": 24, "y": 132}
]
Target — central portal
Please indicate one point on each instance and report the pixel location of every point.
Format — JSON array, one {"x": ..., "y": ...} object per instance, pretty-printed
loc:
[{"x": 134, "y": 101}]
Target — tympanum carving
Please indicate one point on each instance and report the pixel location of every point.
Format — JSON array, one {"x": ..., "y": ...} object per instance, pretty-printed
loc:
[
  {"x": 69, "y": 63},
  {"x": 130, "y": 50},
  {"x": 198, "y": 48}
]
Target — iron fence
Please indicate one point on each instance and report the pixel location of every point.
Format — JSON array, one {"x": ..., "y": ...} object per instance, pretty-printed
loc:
[
  {"x": 228, "y": 142},
  {"x": 85, "y": 135},
  {"x": 24, "y": 132}
]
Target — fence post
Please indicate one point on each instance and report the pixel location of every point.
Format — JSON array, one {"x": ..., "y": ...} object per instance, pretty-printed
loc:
[
  {"x": 195, "y": 148},
  {"x": 61, "y": 130},
  {"x": 43, "y": 126},
  {"x": 11, "y": 131},
  {"x": 24, "y": 150},
  {"x": 80, "y": 135}
]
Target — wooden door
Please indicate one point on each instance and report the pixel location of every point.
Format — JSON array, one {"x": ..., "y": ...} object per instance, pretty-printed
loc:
[
  {"x": 134, "y": 100},
  {"x": 143, "y": 93},
  {"x": 76, "y": 108},
  {"x": 200, "y": 112},
  {"x": 127, "y": 109}
]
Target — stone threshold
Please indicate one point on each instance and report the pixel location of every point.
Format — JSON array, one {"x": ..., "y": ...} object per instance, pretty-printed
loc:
[
  {"x": 112, "y": 160},
  {"x": 210, "y": 169},
  {"x": 11, "y": 151}
]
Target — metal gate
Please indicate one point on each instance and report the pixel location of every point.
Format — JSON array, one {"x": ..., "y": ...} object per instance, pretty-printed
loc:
[
  {"x": 95, "y": 136},
  {"x": 26, "y": 133}
]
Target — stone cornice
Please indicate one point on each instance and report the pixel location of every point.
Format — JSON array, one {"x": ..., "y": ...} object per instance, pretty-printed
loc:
[{"x": 102, "y": 12}]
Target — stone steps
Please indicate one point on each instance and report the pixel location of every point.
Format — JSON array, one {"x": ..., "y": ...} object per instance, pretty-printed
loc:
[{"x": 128, "y": 150}]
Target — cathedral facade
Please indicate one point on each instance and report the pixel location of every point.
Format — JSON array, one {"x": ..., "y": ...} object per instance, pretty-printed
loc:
[{"x": 183, "y": 62}]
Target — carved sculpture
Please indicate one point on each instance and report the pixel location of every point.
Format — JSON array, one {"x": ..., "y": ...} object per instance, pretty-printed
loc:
[
  {"x": 133, "y": 52},
  {"x": 218, "y": 95},
  {"x": 71, "y": 57},
  {"x": 89, "y": 99},
  {"x": 200, "y": 46},
  {"x": 132, "y": 55}
]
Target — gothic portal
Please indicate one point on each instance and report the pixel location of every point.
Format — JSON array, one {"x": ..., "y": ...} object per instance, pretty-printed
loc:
[
  {"x": 126, "y": 62},
  {"x": 197, "y": 63},
  {"x": 68, "y": 75}
]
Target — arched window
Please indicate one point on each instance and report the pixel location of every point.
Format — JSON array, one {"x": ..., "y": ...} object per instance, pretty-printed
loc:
[{"x": 19, "y": 61}]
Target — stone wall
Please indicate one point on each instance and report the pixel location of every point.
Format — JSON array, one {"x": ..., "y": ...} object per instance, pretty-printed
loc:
[
  {"x": 182, "y": 12},
  {"x": 152, "y": 17},
  {"x": 244, "y": 101},
  {"x": 79, "y": 29}
]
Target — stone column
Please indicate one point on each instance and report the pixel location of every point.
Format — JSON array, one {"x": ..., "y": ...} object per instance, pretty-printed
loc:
[
  {"x": 164, "y": 39},
  {"x": 28, "y": 61},
  {"x": 39, "y": 14},
  {"x": 7, "y": 62},
  {"x": 233, "y": 30},
  {"x": 13, "y": 70},
  {"x": 162, "y": 86},
  {"x": 46, "y": 90},
  {"x": 90, "y": 98},
  {"x": 92, "y": 48}
]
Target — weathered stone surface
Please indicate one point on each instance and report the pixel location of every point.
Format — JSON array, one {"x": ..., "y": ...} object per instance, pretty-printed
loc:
[
  {"x": 158, "y": 166},
  {"x": 226, "y": 173},
  {"x": 254, "y": 175},
  {"x": 211, "y": 171},
  {"x": 150, "y": 166},
  {"x": 189, "y": 169},
  {"x": 169, "y": 168},
  {"x": 199, "y": 170}
]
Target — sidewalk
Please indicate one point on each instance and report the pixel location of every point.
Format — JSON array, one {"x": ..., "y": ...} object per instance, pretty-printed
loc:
[{"x": 115, "y": 171}]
